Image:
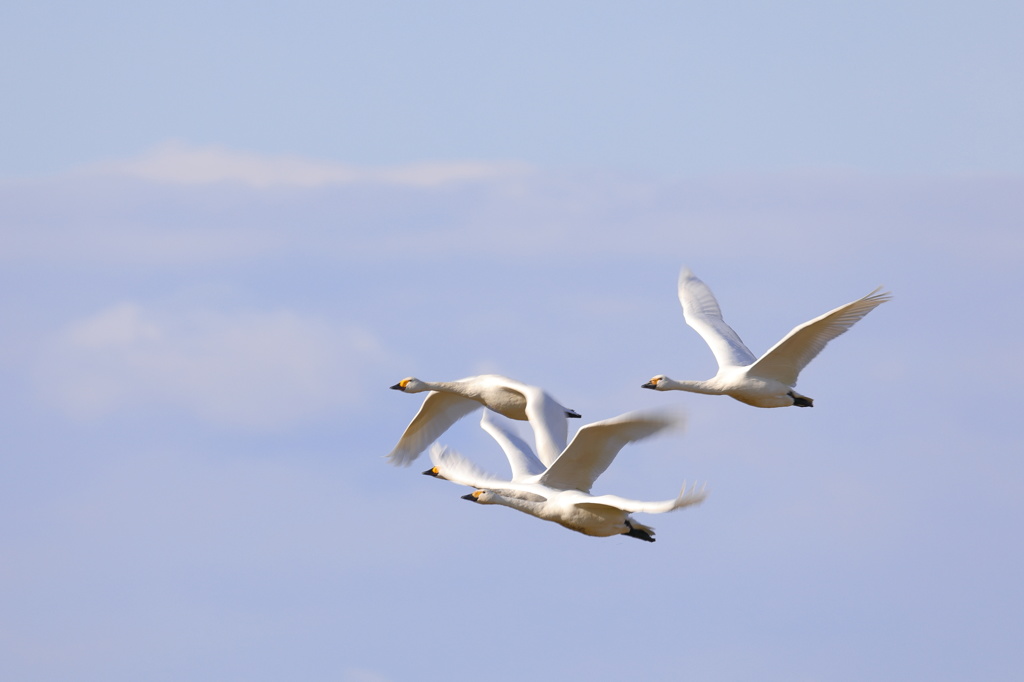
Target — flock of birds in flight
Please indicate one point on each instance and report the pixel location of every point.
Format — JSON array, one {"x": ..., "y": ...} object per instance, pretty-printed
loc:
[{"x": 554, "y": 482}]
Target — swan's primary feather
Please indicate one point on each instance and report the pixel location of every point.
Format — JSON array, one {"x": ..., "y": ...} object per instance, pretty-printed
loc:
[
  {"x": 702, "y": 313},
  {"x": 784, "y": 361},
  {"x": 685, "y": 498},
  {"x": 458, "y": 469},
  {"x": 435, "y": 416},
  {"x": 595, "y": 446}
]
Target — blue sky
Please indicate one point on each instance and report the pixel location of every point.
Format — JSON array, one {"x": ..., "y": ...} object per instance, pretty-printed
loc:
[
  {"x": 674, "y": 87},
  {"x": 226, "y": 229}
]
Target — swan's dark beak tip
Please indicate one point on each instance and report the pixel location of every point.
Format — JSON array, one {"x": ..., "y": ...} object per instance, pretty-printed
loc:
[
  {"x": 649, "y": 384},
  {"x": 430, "y": 472},
  {"x": 469, "y": 497},
  {"x": 397, "y": 387}
]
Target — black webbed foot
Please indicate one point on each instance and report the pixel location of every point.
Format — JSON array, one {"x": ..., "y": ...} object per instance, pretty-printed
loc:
[
  {"x": 800, "y": 400},
  {"x": 637, "y": 533}
]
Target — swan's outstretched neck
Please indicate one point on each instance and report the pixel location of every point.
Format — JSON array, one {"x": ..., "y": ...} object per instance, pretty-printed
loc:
[{"x": 705, "y": 387}]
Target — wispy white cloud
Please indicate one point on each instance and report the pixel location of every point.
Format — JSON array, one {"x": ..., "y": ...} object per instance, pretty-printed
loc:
[
  {"x": 248, "y": 369},
  {"x": 184, "y": 205},
  {"x": 179, "y": 163}
]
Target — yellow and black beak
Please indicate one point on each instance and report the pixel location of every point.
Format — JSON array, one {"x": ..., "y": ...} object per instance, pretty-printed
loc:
[{"x": 653, "y": 383}]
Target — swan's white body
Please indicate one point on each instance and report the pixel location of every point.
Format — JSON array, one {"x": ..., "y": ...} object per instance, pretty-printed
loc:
[
  {"x": 561, "y": 491},
  {"x": 767, "y": 381},
  {"x": 449, "y": 401}
]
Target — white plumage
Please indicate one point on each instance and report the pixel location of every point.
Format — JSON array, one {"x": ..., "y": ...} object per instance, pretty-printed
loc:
[
  {"x": 767, "y": 381},
  {"x": 449, "y": 401},
  {"x": 561, "y": 492}
]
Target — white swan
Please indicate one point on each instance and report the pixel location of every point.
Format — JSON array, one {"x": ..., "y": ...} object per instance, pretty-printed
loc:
[
  {"x": 561, "y": 491},
  {"x": 449, "y": 401},
  {"x": 767, "y": 381}
]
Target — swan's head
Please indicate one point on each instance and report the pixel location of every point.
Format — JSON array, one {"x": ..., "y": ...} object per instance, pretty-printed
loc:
[
  {"x": 481, "y": 497},
  {"x": 410, "y": 385},
  {"x": 435, "y": 472},
  {"x": 657, "y": 383}
]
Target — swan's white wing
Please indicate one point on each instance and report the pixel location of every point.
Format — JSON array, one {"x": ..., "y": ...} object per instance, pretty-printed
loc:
[
  {"x": 546, "y": 417},
  {"x": 784, "y": 360},
  {"x": 595, "y": 446},
  {"x": 701, "y": 311},
  {"x": 436, "y": 415},
  {"x": 686, "y": 498},
  {"x": 520, "y": 457},
  {"x": 455, "y": 468}
]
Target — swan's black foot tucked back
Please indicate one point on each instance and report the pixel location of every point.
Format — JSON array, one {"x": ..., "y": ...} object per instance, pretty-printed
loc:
[
  {"x": 801, "y": 401},
  {"x": 637, "y": 533},
  {"x": 572, "y": 414}
]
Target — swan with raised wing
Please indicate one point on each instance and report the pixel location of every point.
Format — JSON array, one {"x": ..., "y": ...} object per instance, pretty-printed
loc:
[
  {"x": 561, "y": 492},
  {"x": 767, "y": 381},
  {"x": 449, "y": 401}
]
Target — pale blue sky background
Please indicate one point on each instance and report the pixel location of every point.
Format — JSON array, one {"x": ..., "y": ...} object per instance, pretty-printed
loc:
[
  {"x": 227, "y": 228},
  {"x": 673, "y": 87}
]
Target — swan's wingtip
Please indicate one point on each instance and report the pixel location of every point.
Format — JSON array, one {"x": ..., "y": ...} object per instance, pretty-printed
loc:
[
  {"x": 399, "y": 459},
  {"x": 664, "y": 419},
  {"x": 880, "y": 294},
  {"x": 672, "y": 418},
  {"x": 438, "y": 452},
  {"x": 691, "y": 495}
]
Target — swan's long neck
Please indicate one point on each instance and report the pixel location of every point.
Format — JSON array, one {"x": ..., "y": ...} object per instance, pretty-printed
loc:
[
  {"x": 534, "y": 508},
  {"x": 706, "y": 387},
  {"x": 456, "y": 387}
]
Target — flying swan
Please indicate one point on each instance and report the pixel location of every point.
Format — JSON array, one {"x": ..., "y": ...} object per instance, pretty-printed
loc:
[
  {"x": 449, "y": 401},
  {"x": 561, "y": 492},
  {"x": 767, "y": 381}
]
